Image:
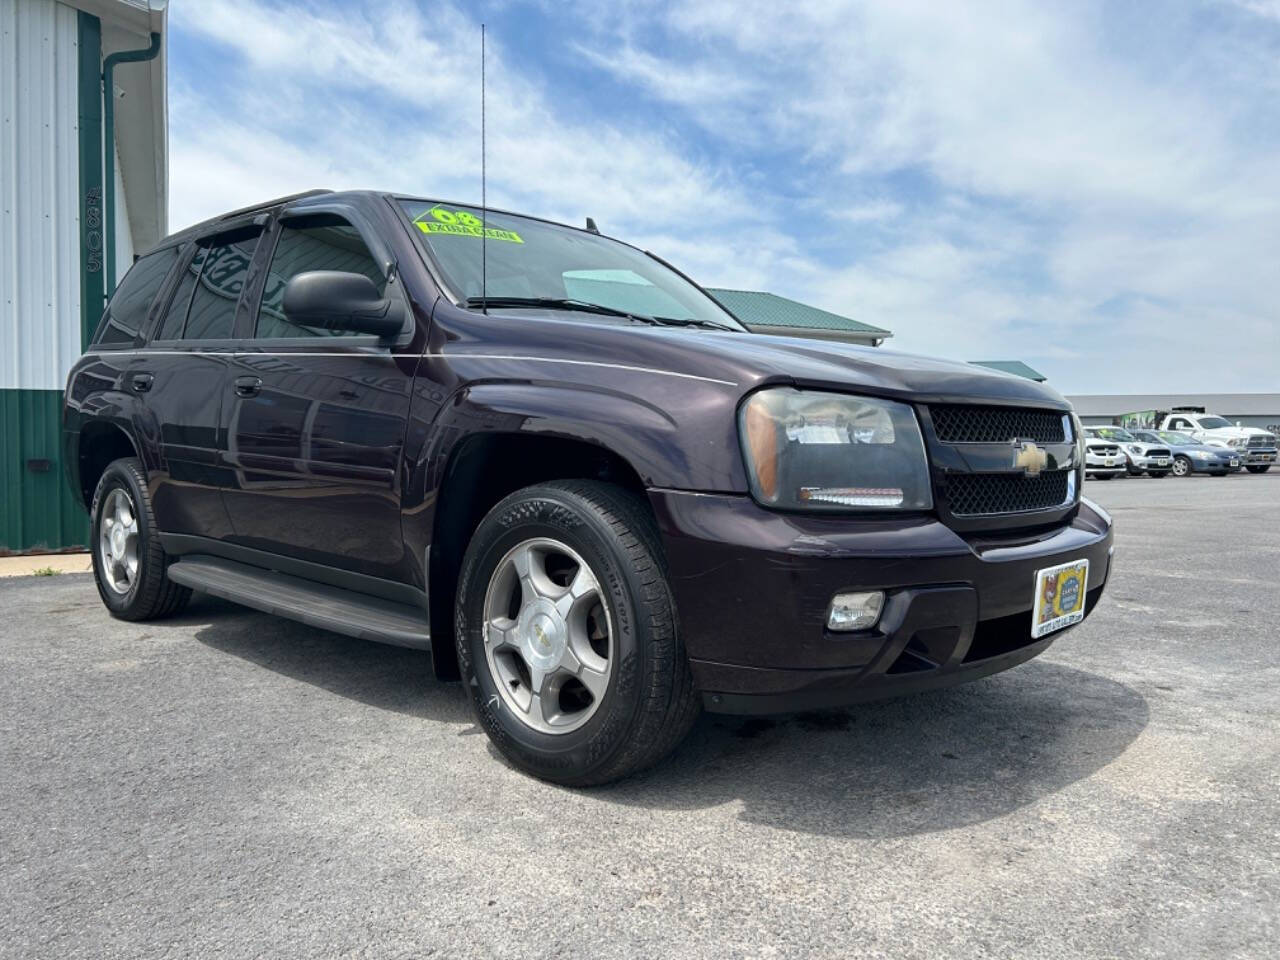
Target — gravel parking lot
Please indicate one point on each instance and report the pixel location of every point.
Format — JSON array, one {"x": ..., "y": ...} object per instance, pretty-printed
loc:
[{"x": 226, "y": 784}]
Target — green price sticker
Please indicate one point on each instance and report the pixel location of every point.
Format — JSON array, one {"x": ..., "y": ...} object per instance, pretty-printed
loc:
[{"x": 460, "y": 223}]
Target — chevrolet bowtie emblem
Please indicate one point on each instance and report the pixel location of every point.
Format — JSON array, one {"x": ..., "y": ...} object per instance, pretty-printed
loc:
[{"x": 1029, "y": 457}]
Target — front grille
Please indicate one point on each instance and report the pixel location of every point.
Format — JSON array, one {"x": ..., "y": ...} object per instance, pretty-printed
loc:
[
  {"x": 1103, "y": 451},
  {"x": 1262, "y": 441},
  {"x": 971, "y": 424},
  {"x": 1157, "y": 452},
  {"x": 985, "y": 494}
]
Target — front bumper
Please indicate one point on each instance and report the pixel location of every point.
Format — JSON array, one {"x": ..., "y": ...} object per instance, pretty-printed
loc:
[
  {"x": 1215, "y": 464},
  {"x": 1257, "y": 457},
  {"x": 1095, "y": 465},
  {"x": 752, "y": 588},
  {"x": 1151, "y": 463}
]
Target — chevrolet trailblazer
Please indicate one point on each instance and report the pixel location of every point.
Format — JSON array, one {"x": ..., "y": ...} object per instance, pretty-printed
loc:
[{"x": 568, "y": 472}]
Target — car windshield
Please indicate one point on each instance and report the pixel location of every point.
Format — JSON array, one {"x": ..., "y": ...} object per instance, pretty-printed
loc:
[
  {"x": 1112, "y": 433},
  {"x": 532, "y": 263},
  {"x": 1214, "y": 423},
  {"x": 1184, "y": 439}
]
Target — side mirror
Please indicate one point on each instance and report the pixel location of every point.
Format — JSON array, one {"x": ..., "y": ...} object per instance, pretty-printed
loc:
[{"x": 333, "y": 300}]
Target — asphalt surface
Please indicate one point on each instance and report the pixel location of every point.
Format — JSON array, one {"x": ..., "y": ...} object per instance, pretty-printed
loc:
[{"x": 226, "y": 784}]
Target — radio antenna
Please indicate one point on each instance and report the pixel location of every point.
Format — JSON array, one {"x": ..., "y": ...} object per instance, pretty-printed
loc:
[{"x": 484, "y": 199}]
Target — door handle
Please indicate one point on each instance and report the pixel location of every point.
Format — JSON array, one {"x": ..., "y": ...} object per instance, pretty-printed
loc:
[
  {"x": 141, "y": 382},
  {"x": 248, "y": 386}
]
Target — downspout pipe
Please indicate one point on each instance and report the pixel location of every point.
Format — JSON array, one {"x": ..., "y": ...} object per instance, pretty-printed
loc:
[{"x": 109, "y": 149}]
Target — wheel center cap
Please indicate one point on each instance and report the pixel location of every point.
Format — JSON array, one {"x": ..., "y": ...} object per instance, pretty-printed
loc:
[
  {"x": 117, "y": 541},
  {"x": 542, "y": 633}
]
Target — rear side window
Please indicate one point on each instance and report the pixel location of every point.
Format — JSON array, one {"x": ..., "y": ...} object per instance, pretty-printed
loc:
[
  {"x": 127, "y": 313},
  {"x": 176, "y": 316},
  {"x": 213, "y": 304},
  {"x": 320, "y": 242}
]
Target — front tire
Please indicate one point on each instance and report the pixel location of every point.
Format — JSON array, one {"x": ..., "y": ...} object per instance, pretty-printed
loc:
[
  {"x": 1258, "y": 468},
  {"x": 1181, "y": 466},
  {"x": 567, "y": 634},
  {"x": 128, "y": 561}
]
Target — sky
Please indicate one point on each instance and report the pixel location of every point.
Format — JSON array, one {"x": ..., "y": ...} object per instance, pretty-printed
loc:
[{"x": 1090, "y": 187}]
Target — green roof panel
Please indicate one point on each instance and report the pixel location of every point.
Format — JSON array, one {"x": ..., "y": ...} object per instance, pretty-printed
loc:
[
  {"x": 758, "y": 309},
  {"x": 1016, "y": 367}
]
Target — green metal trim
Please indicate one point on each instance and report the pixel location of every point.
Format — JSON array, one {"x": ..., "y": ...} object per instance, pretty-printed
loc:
[
  {"x": 92, "y": 289},
  {"x": 109, "y": 140}
]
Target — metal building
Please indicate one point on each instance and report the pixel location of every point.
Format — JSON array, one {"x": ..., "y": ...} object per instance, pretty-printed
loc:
[{"x": 72, "y": 215}]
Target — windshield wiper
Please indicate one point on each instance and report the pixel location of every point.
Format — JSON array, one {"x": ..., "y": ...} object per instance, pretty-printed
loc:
[
  {"x": 555, "y": 303},
  {"x": 584, "y": 306},
  {"x": 691, "y": 322}
]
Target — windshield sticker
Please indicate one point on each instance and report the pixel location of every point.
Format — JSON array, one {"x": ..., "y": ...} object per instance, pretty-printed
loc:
[{"x": 460, "y": 223}]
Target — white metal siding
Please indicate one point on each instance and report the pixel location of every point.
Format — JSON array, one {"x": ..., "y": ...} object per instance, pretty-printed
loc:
[{"x": 39, "y": 193}]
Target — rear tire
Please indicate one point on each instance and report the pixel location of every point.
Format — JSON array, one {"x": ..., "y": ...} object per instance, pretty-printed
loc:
[
  {"x": 128, "y": 561},
  {"x": 631, "y": 698}
]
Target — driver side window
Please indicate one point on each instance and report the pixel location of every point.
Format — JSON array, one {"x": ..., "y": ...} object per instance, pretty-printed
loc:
[{"x": 319, "y": 242}]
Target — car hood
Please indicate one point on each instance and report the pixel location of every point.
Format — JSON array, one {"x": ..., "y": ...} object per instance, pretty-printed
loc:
[
  {"x": 1236, "y": 433},
  {"x": 751, "y": 359},
  {"x": 1190, "y": 448}
]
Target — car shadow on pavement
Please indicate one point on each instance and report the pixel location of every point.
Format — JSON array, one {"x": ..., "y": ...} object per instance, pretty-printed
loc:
[
  {"x": 928, "y": 762},
  {"x": 932, "y": 761},
  {"x": 389, "y": 678}
]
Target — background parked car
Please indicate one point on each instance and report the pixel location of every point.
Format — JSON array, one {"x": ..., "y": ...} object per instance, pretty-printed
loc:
[
  {"x": 1255, "y": 447},
  {"x": 1192, "y": 456},
  {"x": 1153, "y": 459},
  {"x": 1103, "y": 459}
]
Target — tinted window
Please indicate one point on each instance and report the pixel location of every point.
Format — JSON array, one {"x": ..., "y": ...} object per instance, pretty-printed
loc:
[
  {"x": 176, "y": 317},
  {"x": 213, "y": 305},
  {"x": 322, "y": 242},
  {"x": 128, "y": 309}
]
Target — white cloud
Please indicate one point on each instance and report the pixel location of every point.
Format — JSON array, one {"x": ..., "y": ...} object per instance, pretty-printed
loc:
[
  {"x": 345, "y": 101},
  {"x": 1093, "y": 188},
  {"x": 1119, "y": 168}
]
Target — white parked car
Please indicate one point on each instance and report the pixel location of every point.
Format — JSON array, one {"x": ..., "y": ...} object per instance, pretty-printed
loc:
[
  {"x": 1155, "y": 460},
  {"x": 1103, "y": 459}
]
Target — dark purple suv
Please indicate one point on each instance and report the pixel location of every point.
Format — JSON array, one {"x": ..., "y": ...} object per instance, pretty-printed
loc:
[{"x": 564, "y": 468}]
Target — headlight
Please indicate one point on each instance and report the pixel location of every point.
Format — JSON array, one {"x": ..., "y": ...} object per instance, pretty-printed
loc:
[
  {"x": 826, "y": 451},
  {"x": 1201, "y": 454},
  {"x": 1134, "y": 448},
  {"x": 1237, "y": 443}
]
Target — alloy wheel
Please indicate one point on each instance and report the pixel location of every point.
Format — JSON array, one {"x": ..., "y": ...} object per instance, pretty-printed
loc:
[
  {"x": 548, "y": 636},
  {"x": 1180, "y": 467},
  {"x": 118, "y": 541}
]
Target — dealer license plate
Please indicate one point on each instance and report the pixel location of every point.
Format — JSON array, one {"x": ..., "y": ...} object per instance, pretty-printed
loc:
[
  {"x": 1110, "y": 462},
  {"x": 1162, "y": 462},
  {"x": 1235, "y": 463},
  {"x": 1060, "y": 594}
]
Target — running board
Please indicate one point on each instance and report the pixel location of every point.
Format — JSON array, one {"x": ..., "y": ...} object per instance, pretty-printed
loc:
[{"x": 315, "y": 604}]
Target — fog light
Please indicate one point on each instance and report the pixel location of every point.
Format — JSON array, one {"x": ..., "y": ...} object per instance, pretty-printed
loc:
[{"x": 855, "y": 611}]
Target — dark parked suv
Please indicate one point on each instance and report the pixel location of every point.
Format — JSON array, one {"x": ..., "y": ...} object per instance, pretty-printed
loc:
[{"x": 557, "y": 463}]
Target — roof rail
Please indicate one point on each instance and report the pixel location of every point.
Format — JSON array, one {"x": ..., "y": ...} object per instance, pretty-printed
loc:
[{"x": 270, "y": 203}]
